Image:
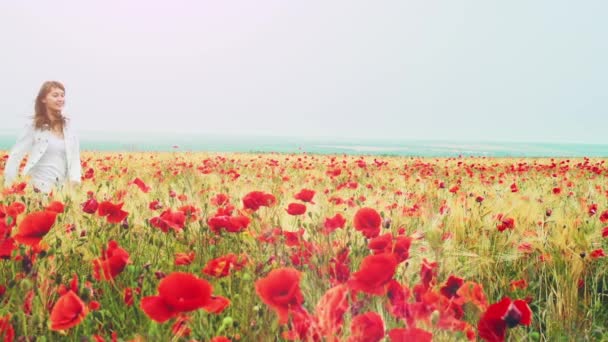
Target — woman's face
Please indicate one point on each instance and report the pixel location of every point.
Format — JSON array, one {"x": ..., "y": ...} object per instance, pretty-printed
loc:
[{"x": 54, "y": 100}]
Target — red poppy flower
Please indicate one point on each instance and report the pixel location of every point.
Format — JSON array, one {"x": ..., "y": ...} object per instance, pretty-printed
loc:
[
  {"x": 472, "y": 292},
  {"x": 7, "y": 245},
  {"x": 598, "y": 253},
  {"x": 367, "y": 327},
  {"x": 55, "y": 206},
  {"x": 68, "y": 311},
  {"x": 190, "y": 211},
  {"x": 155, "y": 205},
  {"x": 15, "y": 189},
  {"x": 256, "y": 199},
  {"x": 506, "y": 223},
  {"x": 220, "y": 339},
  {"x": 112, "y": 262},
  {"x": 280, "y": 290},
  {"x": 221, "y": 267},
  {"x": 6, "y": 329},
  {"x": 177, "y": 292},
  {"x": 217, "y": 304},
  {"x": 34, "y": 227},
  {"x": 183, "y": 258},
  {"x": 113, "y": 212},
  {"x": 411, "y": 334},
  {"x": 428, "y": 272},
  {"x": 232, "y": 224},
  {"x": 330, "y": 310},
  {"x": 333, "y": 223},
  {"x": 381, "y": 244},
  {"x": 305, "y": 195},
  {"x": 451, "y": 287},
  {"x": 519, "y": 284},
  {"x": 296, "y": 209},
  {"x": 368, "y": 221},
  {"x": 220, "y": 200},
  {"x": 141, "y": 185},
  {"x": 374, "y": 273},
  {"x": 12, "y": 211},
  {"x": 605, "y": 232},
  {"x": 604, "y": 216},
  {"x": 169, "y": 219},
  {"x": 90, "y": 206},
  {"x": 502, "y": 315},
  {"x": 592, "y": 209}
]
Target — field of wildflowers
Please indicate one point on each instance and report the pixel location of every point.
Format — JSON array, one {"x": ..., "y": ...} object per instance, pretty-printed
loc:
[{"x": 270, "y": 247}]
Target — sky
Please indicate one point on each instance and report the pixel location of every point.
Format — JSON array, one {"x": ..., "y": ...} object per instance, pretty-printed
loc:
[{"x": 464, "y": 70}]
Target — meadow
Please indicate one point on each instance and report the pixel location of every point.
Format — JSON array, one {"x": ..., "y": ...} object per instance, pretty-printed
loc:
[{"x": 182, "y": 246}]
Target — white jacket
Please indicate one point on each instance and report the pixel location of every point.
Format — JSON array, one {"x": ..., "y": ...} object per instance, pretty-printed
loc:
[{"x": 34, "y": 143}]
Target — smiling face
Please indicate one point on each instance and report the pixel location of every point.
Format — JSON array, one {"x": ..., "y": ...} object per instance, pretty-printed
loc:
[{"x": 54, "y": 101}]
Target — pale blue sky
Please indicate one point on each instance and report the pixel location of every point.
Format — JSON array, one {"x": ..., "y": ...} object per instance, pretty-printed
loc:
[{"x": 461, "y": 70}]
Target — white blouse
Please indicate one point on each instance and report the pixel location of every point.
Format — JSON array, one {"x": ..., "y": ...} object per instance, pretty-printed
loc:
[
  {"x": 47, "y": 157},
  {"x": 51, "y": 169}
]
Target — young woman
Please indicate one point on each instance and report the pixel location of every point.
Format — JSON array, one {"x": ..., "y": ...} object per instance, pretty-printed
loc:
[{"x": 53, "y": 149}]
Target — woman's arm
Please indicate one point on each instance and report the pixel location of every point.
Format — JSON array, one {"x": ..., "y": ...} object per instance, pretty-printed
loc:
[{"x": 21, "y": 147}]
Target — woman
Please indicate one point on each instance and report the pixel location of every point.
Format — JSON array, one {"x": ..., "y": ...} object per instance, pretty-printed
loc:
[{"x": 53, "y": 150}]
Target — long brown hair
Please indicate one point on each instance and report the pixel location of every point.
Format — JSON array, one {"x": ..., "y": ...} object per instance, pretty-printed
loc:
[{"x": 41, "y": 117}]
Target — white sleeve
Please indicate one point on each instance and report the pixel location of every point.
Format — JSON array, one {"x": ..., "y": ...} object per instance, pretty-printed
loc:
[
  {"x": 21, "y": 147},
  {"x": 75, "y": 165}
]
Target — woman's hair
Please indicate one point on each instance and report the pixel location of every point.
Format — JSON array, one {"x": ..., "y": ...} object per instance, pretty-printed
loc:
[{"x": 41, "y": 117}]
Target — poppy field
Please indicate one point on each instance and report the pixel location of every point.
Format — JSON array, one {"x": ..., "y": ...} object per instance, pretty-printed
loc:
[{"x": 182, "y": 246}]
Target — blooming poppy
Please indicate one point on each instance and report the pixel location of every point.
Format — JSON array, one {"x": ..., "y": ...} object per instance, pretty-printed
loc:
[
  {"x": 178, "y": 292},
  {"x": 367, "y": 327},
  {"x": 598, "y": 253},
  {"x": 502, "y": 315},
  {"x": 232, "y": 224},
  {"x": 112, "y": 262},
  {"x": 256, "y": 199},
  {"x": 451, "y": 287},
  {"x": 604, "y": 216},
  {"x": 6, "y": 328},
  {"x": 217, "y": 304},
  {"x": 296, "y": 209},
  {"x": 220, "y": 200},
  {"x": 332, "y": 223},
  {"x": 34, "y": 227},
  {"x": 169, "y": 219},
  {"x": 280, "y": 290},
  {"x": 90, "y": 206},
  {"x": 113, "y": 212},
  {"x": 183, "y": 258},
  {"x": 330, "y": 310},
  {"x": 221, "y": 267},
  {"x": 374, "y": 273},
  {"x": 368, "y": 221},
  {"x": 410, "y": 334},
  {"x": 55, "y": 206},
  {"x": 141, "y": 185},
  {"x": 305, "y": 195},
  {"x": 68, "y": 311}
]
